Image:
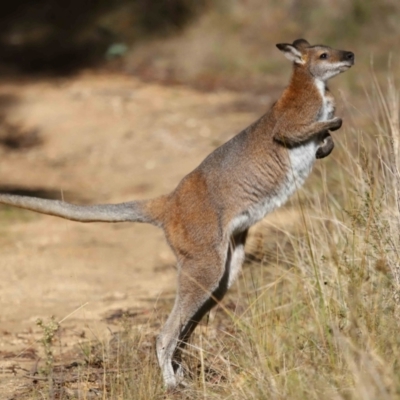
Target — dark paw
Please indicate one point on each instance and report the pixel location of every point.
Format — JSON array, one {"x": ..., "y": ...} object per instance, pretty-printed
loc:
[
  {"x": 325, "y": 147},
  {"x": 336, "y": 123}
]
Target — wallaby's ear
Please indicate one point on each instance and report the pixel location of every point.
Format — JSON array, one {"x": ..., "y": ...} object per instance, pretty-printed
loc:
[
  {"x": 301, "y": 44},
  {"x": 291, "y": 52}
]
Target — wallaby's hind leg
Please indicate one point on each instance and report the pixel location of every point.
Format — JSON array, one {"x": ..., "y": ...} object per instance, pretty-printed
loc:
[
  {"x": 201, "y": 283},
  {"x": 197, "y": 293},
  {"x": 236, "y": 260}
]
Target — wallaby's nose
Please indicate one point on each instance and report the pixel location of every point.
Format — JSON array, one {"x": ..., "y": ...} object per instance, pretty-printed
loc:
[{"x": 349, "y": 55}]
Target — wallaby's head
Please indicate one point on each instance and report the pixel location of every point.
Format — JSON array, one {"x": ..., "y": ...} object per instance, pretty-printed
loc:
[{"x": 322, "y": 62}]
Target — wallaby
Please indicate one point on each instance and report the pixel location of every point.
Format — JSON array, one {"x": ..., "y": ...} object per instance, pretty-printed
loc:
[{"x": 207, "y": 217}]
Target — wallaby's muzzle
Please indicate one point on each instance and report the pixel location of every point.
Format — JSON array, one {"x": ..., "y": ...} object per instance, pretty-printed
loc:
[{"x": 349, "y": 57}]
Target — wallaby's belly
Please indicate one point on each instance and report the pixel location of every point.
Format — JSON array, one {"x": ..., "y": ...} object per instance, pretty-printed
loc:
[{"x": 302, "y": 159}]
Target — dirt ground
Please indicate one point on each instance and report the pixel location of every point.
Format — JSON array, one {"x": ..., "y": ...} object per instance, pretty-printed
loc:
[{"x": 104, "y": 138}]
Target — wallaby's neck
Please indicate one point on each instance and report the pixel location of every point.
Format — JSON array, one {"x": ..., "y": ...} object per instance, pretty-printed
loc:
[
  {"x": 301, "y": 87},
  {"x": 302, "y": 79}
]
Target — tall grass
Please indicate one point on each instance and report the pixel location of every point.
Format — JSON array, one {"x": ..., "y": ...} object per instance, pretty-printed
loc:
[
  {"x": 316, "y": 312},
  {"x": 326, "y": 326}
]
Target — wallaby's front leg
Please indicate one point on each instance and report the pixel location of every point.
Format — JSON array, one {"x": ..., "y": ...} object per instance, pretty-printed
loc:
[{"x": 291, "y": 136}]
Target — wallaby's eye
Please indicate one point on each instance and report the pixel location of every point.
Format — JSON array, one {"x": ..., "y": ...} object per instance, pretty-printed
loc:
[{"x": 323, "y": 56}]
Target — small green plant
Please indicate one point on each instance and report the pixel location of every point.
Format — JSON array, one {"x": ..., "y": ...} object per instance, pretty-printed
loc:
[{"x": 50, "y": 330}]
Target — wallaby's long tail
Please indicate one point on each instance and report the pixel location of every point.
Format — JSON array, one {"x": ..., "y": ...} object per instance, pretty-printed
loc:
[{"x": 133, "y": 211}]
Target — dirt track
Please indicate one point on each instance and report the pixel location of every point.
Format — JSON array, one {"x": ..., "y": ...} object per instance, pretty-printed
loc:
[{"x": 105, "y": 138}]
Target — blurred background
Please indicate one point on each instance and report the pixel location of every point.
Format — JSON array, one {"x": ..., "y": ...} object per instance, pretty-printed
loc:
[
  {"x": 113, "y": 100},
  {"x": 204, "y": 43}
]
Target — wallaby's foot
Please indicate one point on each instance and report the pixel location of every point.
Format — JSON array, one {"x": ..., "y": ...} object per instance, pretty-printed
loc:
[
  {"x": 177, "y": 390},
  {"x": 176, "y": 382}
]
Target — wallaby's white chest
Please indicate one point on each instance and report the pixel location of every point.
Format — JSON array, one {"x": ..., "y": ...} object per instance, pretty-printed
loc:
[
  {"x": 328, "y": 106},
  {"x": 301, "y": 159}
]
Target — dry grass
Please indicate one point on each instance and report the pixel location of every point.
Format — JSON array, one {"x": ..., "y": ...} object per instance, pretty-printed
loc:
[{"x": 315, "y": 316}]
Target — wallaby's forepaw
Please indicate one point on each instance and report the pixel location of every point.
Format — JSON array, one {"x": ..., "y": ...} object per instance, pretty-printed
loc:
[
  {"x": 325, "y": 148},
  {"x": 335, "y": 124}
]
